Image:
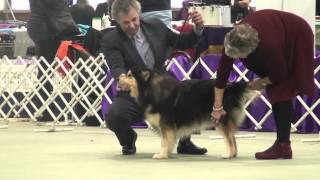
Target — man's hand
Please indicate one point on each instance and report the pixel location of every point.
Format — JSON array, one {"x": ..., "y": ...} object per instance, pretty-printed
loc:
[
  {"x": 122, "y": 85},
  {"x": 197, "y": 19},
  {"x": 244, "y": 3}
]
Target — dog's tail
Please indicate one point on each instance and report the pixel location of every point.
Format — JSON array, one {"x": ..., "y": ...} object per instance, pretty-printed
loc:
[{"x": 237, "y": 97}]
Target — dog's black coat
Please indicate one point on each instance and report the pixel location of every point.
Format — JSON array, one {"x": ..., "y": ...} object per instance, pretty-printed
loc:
[{"x": 185, "y": 103}]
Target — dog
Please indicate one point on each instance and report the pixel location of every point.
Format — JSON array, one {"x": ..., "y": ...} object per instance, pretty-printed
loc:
[{"x": 176, "y": 109}]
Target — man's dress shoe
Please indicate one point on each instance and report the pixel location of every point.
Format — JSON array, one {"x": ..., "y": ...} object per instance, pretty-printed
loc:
[
  {"x": 187, "y": 147},
  {"x": 130, "y": 149}
]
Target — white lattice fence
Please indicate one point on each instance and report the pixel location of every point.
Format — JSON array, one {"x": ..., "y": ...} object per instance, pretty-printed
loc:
[
  {"x": 84, "y": 83},
  {"x": 60, "y": 90}
]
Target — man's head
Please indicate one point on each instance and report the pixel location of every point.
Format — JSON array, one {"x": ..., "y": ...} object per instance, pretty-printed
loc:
[
  {"x": 241, "y": 41},
  {"x": 127, "y": 15}
]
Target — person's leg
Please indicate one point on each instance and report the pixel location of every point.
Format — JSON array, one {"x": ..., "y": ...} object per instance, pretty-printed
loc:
[
  {"x": 47, "y": 49},
  {"x": 283, "y": 115},
  {"x": 123, "y": 112}
]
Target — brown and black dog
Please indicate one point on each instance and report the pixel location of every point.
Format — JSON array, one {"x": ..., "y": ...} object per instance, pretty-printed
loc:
[{"x": 176, "y": 109}]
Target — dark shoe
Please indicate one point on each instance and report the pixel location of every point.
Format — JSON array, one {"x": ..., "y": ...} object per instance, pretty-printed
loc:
[
  {"x": 131, "y": 149},
  {"x": 187, "y": 147},
  {"x": 277, "y": 151}
]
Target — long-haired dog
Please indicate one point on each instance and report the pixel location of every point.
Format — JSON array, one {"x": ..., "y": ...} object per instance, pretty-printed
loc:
[{"x": 176, "y": 109}]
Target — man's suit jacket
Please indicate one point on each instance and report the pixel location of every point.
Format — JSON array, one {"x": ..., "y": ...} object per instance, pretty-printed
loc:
[{"x": 121, "y": 54}]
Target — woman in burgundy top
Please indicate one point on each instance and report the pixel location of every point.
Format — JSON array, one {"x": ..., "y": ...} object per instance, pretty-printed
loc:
[{"x": 278, "y": 47}]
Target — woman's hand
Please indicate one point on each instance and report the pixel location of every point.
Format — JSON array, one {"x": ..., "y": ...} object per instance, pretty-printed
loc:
[
  {"x": 216, "y": 114},
  {"x": 217, "y": 109}
]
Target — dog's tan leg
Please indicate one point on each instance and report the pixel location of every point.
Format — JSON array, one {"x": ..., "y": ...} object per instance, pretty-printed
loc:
[
  {"x": 235, "y": 150},
  {"x": 233, "y": 143},
  {"x": 168, "y": 140},
  {"x": 227, "y": 141},
  {"x": 232, "y": 129},
  {"x": 229, "y": 138}
]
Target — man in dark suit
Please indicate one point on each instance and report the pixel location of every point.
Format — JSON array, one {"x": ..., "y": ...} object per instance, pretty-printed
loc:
[{"x": 140, "y": 43}]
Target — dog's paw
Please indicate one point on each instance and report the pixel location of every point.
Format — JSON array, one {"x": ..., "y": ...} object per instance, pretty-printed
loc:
[
  {"x": 229, "y": 156},
  {"x": 160, "y": 156}
]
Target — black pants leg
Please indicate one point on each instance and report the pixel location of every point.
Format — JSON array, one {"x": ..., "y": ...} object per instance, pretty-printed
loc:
[
  {"x": 123, "y": 112},
  {"x": 283, "y": 116},
  {"x": 48, "y": 49}
]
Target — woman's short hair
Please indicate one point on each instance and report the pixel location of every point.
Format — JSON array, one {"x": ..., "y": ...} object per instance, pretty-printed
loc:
[
  {"x": 123, "y": 6},
  {"x": 242, "y": 39}
]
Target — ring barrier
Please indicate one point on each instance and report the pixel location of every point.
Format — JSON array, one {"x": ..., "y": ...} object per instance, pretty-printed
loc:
[
  {"x": 78, "y": 84},
  {"x": 71, "y": 91}
]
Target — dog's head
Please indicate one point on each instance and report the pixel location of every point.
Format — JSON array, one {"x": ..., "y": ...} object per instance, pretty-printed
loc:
[
  {"x": 137, "y": 78},
  {"x": 149, "y": 87}
]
